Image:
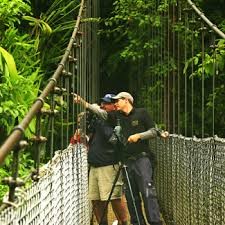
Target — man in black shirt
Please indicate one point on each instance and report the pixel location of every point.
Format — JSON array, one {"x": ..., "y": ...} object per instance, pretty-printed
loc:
[{"x": 137, "y": 128}]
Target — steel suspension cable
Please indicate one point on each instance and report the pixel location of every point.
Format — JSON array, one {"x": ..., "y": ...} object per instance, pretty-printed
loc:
[
  {"x": 185, "y": 75},
  {"x": 89, "y": 29},
  {"x": 192, "y": 77},
  {"x": 174, "y": 74},
  {"x": 214, "y": 47},
  {"x": 67, "y": 86},
  {"x": 150, "y": 90},
  {"x": 178, "y": 70},
  {"x": 158, "y": 59},
  {"x": 161, "y": 66},
  {"x": 176, "y": 155},
  {"x": 203, "y": 77},
  {"x": 154, "y": 65},
  {"x": 168, "y": 68},
  {"x": 74, "y": 74},
  {"x": 61, "y": 113},
  {"x": 165, "y": 73},
  {"x": 206, "y": 20}
]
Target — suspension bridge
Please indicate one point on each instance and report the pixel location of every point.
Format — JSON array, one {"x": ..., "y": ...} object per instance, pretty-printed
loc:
[{"x": 189, "y": 169}]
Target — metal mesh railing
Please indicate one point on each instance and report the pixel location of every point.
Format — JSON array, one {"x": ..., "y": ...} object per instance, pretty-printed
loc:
[
  {"x": 61, "y": 195},
  {"x": 190, "y": 175}
]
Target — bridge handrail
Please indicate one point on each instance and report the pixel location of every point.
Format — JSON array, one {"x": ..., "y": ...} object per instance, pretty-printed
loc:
[
  {"x": 206, "y": 20},
  {"x": 17, "y": 132}
]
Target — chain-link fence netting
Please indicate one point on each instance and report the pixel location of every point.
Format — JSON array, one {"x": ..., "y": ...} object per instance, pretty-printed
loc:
[
  {"x": 60, "y": 197},
  {"x": 190, "y": 179}
]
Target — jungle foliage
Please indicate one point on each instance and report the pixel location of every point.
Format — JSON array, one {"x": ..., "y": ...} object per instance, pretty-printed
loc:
[
  {"x": 33, "y": 36},
  {"x": 134, "y": 32}
]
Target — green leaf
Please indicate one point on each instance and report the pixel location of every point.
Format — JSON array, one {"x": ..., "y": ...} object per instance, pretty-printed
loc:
[{"x": 10, "y": 63}]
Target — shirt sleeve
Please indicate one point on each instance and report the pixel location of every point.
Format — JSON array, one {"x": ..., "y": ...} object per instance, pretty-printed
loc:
[
  {"x": 151, "y": 133},
  {"x": 98, "y": 111}
]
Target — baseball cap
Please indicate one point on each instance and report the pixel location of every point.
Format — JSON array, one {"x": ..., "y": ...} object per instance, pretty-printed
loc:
[
  {"x": 124, "y": 95},
  {"x": 108, "y": 98}
]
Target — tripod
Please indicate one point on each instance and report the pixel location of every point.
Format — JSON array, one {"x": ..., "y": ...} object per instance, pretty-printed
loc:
[
  {"x": 123, "y": 168},
  {"x": 120, "y": 143}
]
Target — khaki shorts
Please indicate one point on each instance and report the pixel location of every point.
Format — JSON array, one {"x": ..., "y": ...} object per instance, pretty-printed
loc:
[{"x": 101, "y": 181}]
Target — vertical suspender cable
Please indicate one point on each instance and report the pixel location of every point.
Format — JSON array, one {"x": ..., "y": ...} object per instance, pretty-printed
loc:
[
  {"x": 94, "y": 56},
  {"x": 150, "y": 89},
  {"x": 78, "y": 71},
  {"x": 157, "y": 61},
  {"x": 165, "y": 72},
  {"x": 52, "y": 121},
  {"x": 84, "y": 35},
  {"x": 73, "y": 81},
  {"x": 213, "y": 85},
  {"x": 192, "y": 79},
  {"x": 178, "y": 70},
  {"x": 203, "y": 77},
  {"x": 148, "y": 65},
  {"x": 168, "y": 67},
  {"x": 159, "y": 112},
  {"x": 90, "y": 55},
  {"x": 161, "y": 67},
  {"x": 97, "y": 51},
  {"x": 82, "y": 80},
  {"x": 154, "y": 64},
  {"x": 67, "y": 86},
  {"x": 174, "y": 74},
  {"x": 185, "y": 75},
  {"x": 61, "y": 112}
]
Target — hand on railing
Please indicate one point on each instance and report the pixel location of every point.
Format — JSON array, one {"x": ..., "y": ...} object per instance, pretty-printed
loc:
[
  {"x": 76, "y": 137},
  {"x": 164, "y": 134},
  {"x": 79, "y": 137}
]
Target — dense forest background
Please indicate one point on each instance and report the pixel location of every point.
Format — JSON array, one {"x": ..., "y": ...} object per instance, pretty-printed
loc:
[
  {"x": 34, "y": 35},
  {"x": 113, "y": 47},
  {"x": 126, "y": 43}
]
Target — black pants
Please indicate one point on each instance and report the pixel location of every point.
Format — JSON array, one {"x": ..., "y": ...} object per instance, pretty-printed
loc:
[{"x": 140, "y": 176}]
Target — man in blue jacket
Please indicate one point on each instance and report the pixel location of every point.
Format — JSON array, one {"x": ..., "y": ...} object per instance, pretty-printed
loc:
[{"x": 104, "y": 168}]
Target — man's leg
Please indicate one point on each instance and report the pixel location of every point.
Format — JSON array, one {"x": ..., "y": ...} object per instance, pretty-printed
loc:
[
  {"x": 143, "y": 176},
  {"x": 136, "y": 195},
  {"x": 120, "y": 210},
  {"x": 94, "y": 195},
  {"x": 110, "y": 184},
  {"x": 99, "y": 209}
]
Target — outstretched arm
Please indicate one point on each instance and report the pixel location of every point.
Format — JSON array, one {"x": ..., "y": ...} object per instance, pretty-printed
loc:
[
  {"x": 151, "y": 133},
  {"x": 92, "y": 107}
]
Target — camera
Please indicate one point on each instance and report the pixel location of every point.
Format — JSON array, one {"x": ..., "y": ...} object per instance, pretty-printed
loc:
[{"x": 117, "y": 137}]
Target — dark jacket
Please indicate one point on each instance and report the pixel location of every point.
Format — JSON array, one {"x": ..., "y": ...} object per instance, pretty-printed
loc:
[{"x": 101, "y": 152}]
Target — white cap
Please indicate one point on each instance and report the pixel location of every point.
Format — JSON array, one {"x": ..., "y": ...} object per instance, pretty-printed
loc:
[{"x": 124, "y": 95}]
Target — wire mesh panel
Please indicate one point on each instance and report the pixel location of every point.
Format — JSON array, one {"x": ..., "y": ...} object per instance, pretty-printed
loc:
[
  {"x": 190, "y": 180},
  {"x": 59, "y": 197}
]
